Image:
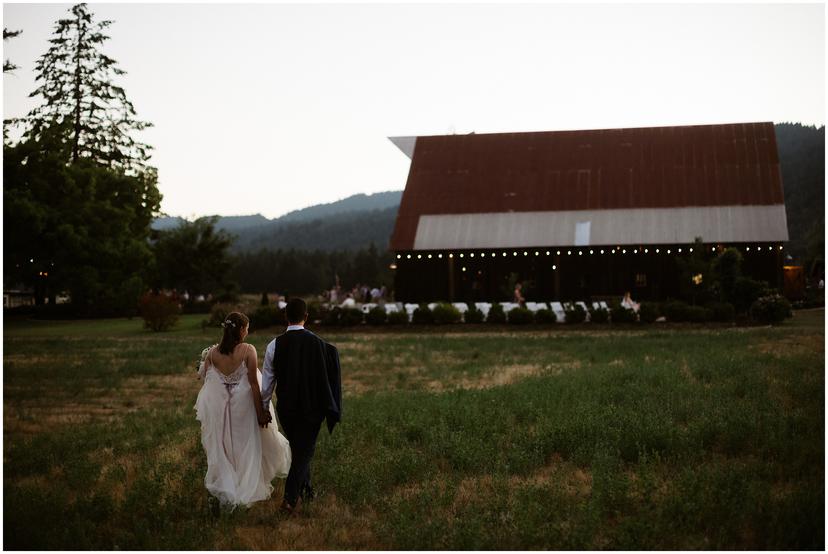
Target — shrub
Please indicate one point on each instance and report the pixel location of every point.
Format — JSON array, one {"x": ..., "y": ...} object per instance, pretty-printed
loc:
[
  {"x": 331, "y": 317},
  {"x": 267, "y": 316},
  {"x": 496, "y": 314},
  {"x": 545, "y": 316},
  {"x": 218, "y": 313},
  {"x": 397, "y": 318},
  {"x": 422, "y": 315},
  {"x": 473, "y": 315},
  {"x": 696, "y": 314},
  {"x": 317, "y": 311},
  {"x": 376, "y": 316},
  {"x": 721, "y": 311},
  {"x": 349, "y": 317},
  {"x": 620, "y": 314},
  {"x": 649, "y": 312},
  {"x": 771, "y": 309},
  {"x": 599, "y": 315},
  {"x": 160, "y": 312},
  {"x": 520, "y": 316},
  {"x": 746, "y": 291},
  {"x": 574, "y": 313},
  {"x": 676, "y": 311},
  {"x": 446, "y": 313}
]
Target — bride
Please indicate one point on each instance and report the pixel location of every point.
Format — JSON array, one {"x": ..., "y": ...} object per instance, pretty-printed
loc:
[{"x": 244, "y": 454}]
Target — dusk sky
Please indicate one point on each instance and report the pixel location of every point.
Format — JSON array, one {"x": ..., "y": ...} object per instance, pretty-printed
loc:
[{"x": 268, "y": 108}]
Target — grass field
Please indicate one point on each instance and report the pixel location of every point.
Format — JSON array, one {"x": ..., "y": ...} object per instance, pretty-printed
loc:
[{"x": 679, "y": 438}]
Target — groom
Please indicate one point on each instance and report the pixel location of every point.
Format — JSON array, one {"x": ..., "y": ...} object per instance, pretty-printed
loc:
[{"x": 305, "y": 372}]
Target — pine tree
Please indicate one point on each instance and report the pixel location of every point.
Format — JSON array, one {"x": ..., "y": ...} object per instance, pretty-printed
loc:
[
  {"x": 7, "y": 65},
  {"x": 84, "y": 115}
]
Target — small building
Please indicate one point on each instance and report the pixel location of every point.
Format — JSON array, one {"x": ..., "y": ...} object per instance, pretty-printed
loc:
[{"x": 581, "y": 214}]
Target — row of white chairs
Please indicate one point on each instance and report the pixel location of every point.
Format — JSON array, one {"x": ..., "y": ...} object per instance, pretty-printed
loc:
[{"x": 558, "y": 308}]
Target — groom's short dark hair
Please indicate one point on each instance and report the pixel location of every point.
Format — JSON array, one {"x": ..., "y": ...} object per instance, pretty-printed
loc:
[{"x": 296, "y": 310}]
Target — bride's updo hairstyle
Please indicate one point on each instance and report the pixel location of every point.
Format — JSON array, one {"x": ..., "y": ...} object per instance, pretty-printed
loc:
[{"x": 233, "y": 325}]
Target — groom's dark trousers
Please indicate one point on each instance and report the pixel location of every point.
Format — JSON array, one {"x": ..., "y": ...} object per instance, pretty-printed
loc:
[{"x": 301, "y": 431}]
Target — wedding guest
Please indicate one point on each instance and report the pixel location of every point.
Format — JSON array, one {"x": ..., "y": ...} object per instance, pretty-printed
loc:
[
  {"x": 629, "y": 303},
  {"x": 518, "y": 296}
]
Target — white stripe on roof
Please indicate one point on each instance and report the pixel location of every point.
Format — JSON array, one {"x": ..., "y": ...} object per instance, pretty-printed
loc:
[{"x": 764, "y": 223}]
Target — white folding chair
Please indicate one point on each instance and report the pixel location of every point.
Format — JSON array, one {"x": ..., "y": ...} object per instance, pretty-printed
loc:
[
  {"x": 462, "y": 307},
  {"x": 368, "y": 307},
  {"x": 391, "y": 308},
  {"x": 558, "y": 309},
  {"x": 282, "y": 304},
  {"x": 535, "y": 306},
  {"x": 433, "y": 305},
  {"x": 483, "y": 307},
  {"x": 409, "y": 309}
]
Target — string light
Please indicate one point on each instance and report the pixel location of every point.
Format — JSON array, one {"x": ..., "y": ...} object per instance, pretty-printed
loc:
[
  {"x": 580, "y": 253},
  {"x": 590, "y": 251},
  {"x": 613, "y": 251},
  {"x": 504, "y": 254},
  {"x": 602, "y": 251},
  {"x": 451, "y": 255},
  {"x": 780, "y": 247},
  {"x": 668, "y": 250},
  {"x": 419, "y": 256},
  {"x": 554, "y": 267},
  {"x": 440, "y": 256},
  {"x": 514, "y": 253},
  {"x": 547, "y": 252},
  {"x": 399, "y": 256},
  {"x": 748, "y": 248},
  {"x": 656, "y": 250},
  {"x": 482, "y": 254},
  {"x": 679, "y": 250},
  {"x": 624, "y": 251},
  {"x": 646, "y": 250},
  {"x": 536, "y": 253},
  {"x": 525, "y": 253},
  {"x": 409, "y": 256},
  {"x": 471, "y": 255},
  {"x": 464, "y": 269},
  {"x": 691, "y": 250},
  {"x": 713, "y": 249},
  {"x": 559, "y": 252}
]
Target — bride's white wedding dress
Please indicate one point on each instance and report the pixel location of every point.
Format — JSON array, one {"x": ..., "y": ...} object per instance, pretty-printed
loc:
[{"x": 242, "y": 458}]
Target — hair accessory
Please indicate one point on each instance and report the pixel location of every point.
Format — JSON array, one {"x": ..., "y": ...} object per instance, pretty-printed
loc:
[{"x": 228, "y": 323}]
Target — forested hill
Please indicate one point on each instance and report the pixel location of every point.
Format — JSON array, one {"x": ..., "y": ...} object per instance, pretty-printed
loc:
[
  {"x": 357, "y": 221},
  {"x": 349, "y": 224},
  {"x": 802, "y": 157}
]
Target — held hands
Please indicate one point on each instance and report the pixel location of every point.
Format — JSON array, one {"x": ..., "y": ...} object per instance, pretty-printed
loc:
[{"x": 264, "y": 419}]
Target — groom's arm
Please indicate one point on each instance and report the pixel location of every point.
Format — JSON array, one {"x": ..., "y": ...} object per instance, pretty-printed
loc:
[{"x": 268, "y": 379}]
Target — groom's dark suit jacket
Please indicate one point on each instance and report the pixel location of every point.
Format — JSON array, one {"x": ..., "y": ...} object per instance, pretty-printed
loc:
[{"x": 308, "y": 377}]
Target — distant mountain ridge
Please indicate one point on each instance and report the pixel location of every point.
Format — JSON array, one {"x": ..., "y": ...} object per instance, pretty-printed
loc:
[{"x": 348, "y": 224}]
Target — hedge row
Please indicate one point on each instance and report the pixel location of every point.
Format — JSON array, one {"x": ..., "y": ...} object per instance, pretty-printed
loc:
[{"x": 768, "y": 309}]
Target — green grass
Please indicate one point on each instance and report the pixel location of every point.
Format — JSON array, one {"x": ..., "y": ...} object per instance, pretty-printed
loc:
[{"x": 649, "y": 438}]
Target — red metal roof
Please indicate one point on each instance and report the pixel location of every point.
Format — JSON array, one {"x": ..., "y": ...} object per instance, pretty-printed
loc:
[{"x": 656, "y": 167}]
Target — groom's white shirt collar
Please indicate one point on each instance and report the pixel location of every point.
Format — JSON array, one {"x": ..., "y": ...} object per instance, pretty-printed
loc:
[{"x": 295, "y": 327}]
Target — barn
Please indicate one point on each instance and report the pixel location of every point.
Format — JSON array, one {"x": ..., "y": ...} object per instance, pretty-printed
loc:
[{"x": 583, "y": 214}]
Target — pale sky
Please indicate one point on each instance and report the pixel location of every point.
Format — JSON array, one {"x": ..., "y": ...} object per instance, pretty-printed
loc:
[{"x": 270, "y": 108}]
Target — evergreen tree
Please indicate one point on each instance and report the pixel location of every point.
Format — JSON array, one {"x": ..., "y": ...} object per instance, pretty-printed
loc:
[
  {"x": 78, "y": 196},
  {"x": 7, "y": 65},
  {"x": 84, "y": 115}
]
